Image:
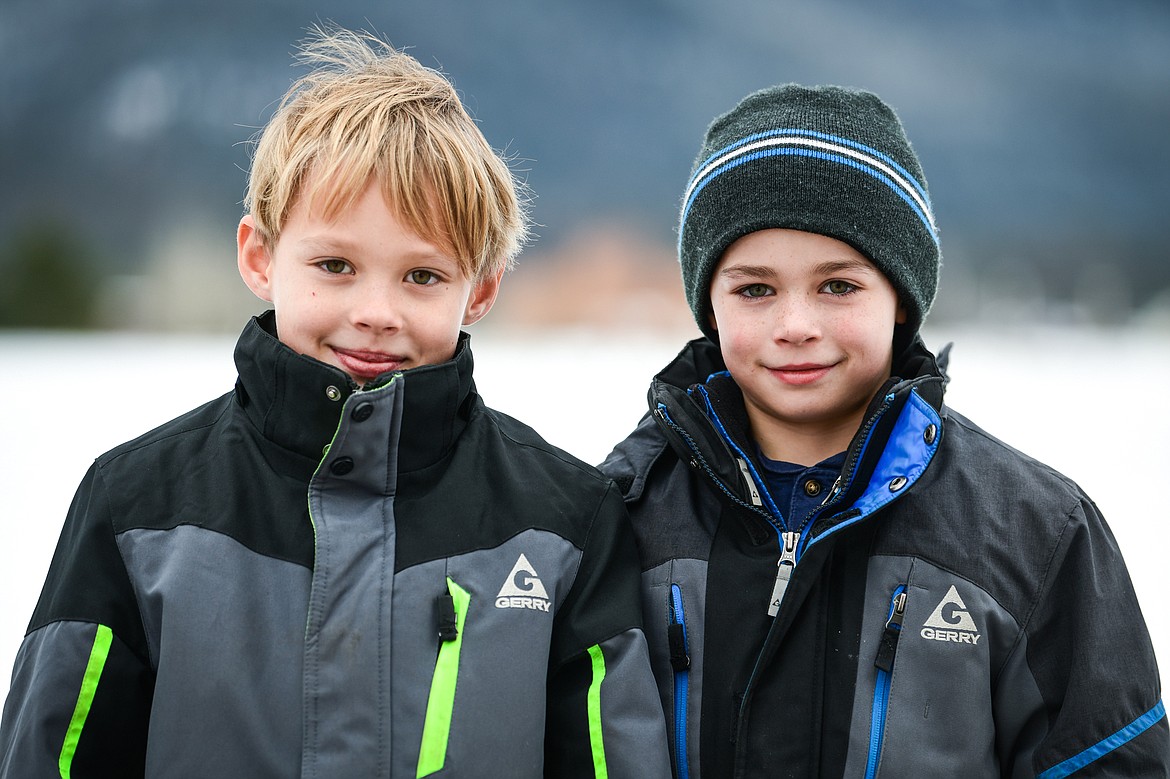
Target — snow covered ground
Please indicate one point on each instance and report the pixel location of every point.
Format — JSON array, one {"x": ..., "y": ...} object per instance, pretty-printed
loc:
[{"x": 1090, "y": 403}]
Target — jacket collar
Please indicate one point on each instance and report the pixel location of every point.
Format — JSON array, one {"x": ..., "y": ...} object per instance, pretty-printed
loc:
[
  {"x": 700, "y": 411},
  {"x": 296, "y": 401}
]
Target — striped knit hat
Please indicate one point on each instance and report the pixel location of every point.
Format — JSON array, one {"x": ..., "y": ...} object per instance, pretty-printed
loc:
[{"x": 824, "y": 160}]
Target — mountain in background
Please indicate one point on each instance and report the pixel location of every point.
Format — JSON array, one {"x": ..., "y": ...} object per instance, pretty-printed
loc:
[{"x": 1041, "y": 126}]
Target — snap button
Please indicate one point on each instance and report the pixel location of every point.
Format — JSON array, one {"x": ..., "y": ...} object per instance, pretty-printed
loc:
[
  {"x": 332, "y": 393},
  {"x": 812, "y": 488},
  {"x": 363, "y": 412},
  {"x": 929, "y": 434},
  {"x": 341, "y": 466},
  {"x": 897, "y": 483}
]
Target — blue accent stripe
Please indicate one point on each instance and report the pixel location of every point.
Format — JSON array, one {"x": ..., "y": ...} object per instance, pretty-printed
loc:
[
  {"x": 815, "y": 154},
  {"x": 1105, "y": 746},
  {"x": 681, "y": 691},
  {"x": 906, "y": 454}
]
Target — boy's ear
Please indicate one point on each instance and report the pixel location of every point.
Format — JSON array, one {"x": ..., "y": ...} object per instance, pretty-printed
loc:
[
  {"x": 483, "y": 296},
  {"x": 900, "y": 315},
  {"x": 253, "y": 259}
]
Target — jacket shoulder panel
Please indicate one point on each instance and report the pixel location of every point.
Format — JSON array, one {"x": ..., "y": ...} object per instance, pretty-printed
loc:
[{"x": 211, "y": 468}]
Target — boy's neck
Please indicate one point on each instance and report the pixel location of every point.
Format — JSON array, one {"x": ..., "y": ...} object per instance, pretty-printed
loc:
[{"x": 804, "y": 445}]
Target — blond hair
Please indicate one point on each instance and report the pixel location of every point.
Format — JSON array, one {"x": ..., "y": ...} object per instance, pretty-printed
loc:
[{"x": 367, "y": 109}]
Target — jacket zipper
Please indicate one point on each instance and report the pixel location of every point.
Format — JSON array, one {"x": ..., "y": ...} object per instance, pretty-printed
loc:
[
  {"x": 852, "y": 459},
  {"x": 680, "y": 661},
  {"x": 784, "y": 568},
  {"x": 453, "y": 606},
  {"x": 884, "y": 662}
]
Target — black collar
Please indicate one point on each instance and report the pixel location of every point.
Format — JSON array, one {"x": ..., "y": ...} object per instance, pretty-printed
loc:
[{"x": 296, "y": 401}]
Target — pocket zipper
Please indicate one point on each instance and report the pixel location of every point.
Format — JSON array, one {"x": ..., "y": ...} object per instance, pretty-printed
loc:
[
  {"x": 680, "y": 661},
  {"x": 884, "y": 662},
  {"x": 452, "y": 606}
]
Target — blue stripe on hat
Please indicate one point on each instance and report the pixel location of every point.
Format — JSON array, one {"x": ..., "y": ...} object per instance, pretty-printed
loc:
[
  {"x": 743, "y": 159},
  {"x": 824, "y": 137}
]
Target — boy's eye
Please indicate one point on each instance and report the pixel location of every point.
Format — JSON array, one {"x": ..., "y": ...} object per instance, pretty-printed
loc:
[
  {"x": 756, "y": 291},
  {"x": 334, "y": 266},
  {"x": 838, "y": 287},
  {"x": 423, "y": 277}
]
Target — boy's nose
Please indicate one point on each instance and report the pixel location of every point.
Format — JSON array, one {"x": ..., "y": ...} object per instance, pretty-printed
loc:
[
  {"x": 374, "y": 308},
  {"x": 796, "y": 320}
]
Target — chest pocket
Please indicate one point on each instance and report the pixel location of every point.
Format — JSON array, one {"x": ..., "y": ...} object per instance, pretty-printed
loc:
[
  {"x": 924, "y": 701},
  {"x": 452, "y": 611}
]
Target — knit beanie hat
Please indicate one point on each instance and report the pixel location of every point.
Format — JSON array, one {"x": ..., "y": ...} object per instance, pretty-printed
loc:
[{"x": 824, "y": 160}]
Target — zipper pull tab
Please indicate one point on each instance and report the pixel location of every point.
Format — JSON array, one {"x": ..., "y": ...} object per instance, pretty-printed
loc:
[
  {"x": 784, "y": 567},
  {"x": 753, "y": 490},
  {"x": 676, "y": 632},
  {"x": 889, "y": 642},
  {"x": 832, "y": 491},
  {"x": 447, "y": 621}
]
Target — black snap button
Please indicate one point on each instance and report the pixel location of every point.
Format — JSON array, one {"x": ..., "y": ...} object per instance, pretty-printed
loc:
[
  {"x": 363, "y": 412},
  {"x": 929, "y": 433},
  {"x": 812, "y": 488},
  {"x": 341, "y": 466}
]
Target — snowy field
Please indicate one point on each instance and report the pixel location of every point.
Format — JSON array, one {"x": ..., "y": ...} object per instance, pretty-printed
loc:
[{"x": 1090, "y": 403}]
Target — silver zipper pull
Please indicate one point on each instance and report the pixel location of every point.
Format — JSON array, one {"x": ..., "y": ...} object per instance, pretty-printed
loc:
[
  {"x": 899, "y": 612},
  {"x": 751, "y": 483},
  {"x": 784, "y": 567},
  {"x": 832, "y": 491},
  {"x": 888, "y": 645}
]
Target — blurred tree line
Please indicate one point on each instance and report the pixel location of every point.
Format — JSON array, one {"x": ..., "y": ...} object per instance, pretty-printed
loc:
[{"x": 48, "y": 279}]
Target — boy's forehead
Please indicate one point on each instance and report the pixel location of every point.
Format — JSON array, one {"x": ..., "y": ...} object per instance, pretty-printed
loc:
[
  {"x": 325, "y": 197},
  {"x": 771, "y": 250}
]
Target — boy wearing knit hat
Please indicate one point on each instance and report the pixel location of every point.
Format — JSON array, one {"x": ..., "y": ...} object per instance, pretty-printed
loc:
[{"x": 841, "y": 575}]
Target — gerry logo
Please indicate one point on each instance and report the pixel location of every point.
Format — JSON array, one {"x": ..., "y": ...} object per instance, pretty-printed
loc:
[
  {"x": 523, "y": 589},
  {"x": 950, "y": 621}
]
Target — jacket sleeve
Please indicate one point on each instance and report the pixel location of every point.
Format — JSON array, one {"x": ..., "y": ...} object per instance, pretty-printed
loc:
[
  {"x": 1086, "y": 646},
  {"x": 604, "y": 716},
  {"x": 81, "y": 686}
]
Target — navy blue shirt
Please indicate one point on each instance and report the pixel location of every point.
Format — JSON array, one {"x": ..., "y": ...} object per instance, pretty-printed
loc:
[{"x": 799, "y": 490}]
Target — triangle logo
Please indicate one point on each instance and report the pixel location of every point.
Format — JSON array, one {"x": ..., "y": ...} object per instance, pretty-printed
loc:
[
  {"x": 951, "y": 614},
  {"x": 523, "y": 582}
]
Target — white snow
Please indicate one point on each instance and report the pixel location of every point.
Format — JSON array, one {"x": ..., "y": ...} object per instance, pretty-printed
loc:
[{"x": 1090, "y": 403}]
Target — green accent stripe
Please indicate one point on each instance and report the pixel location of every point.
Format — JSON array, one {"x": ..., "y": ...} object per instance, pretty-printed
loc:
[
  {"x": 441, "y": 702},
  {"x": 596, "y": 736},
  {"x": 89, "y": 683}
]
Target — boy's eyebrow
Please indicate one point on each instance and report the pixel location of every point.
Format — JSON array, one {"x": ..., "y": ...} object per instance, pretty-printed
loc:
[
  {"x": 829, "y": 267},
  {"x": 342, "y": 245},
  {"x": 826, "y": 268},
  {"x": 748, "y": 271}
]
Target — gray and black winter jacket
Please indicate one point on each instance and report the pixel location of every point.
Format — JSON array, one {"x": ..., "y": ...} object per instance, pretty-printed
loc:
[
  {"x": 952, "y": 608},
  {"x": 305, "y": 579}
]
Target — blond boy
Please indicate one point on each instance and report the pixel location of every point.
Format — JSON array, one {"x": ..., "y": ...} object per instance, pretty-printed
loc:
[{"x": 348, "y": 565}]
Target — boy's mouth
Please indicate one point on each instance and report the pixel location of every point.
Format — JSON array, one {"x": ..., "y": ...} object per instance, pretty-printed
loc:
[
  {"x": 360, "y": 363},
  {"x": 800, "y": 374}
]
